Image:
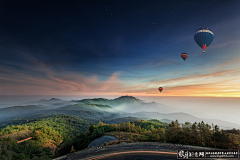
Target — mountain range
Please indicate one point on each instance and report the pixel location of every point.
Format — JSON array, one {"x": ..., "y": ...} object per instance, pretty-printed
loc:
[
  {"x": 108, "y": 110},
  {"x": 182, "y": 118}
]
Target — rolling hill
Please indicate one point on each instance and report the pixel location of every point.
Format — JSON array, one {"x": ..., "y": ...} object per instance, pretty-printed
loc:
[{"x": 182, "y": 118}]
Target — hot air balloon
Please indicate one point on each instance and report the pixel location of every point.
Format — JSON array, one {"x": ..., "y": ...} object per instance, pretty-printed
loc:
[
  {"x": 204, "y": 37},
  {"x": 184, "y": 56},
  {"x": 160, "y": 89}
]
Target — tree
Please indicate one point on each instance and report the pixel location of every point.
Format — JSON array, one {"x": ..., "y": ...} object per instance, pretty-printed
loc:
[
  {"x": 194, "y": 133},
  {"x": 157, "y": 137},
  {"x": 152, "y": 129},
  {"x": 100, "y": 123}
]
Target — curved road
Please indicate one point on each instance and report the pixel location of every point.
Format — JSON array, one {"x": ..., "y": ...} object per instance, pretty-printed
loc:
[
  {"x": 138, "y": 155},
  {"x": 131, "y": 151}
]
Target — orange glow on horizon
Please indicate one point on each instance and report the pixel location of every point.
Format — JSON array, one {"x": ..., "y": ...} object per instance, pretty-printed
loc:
[{"x": 162, "y": 94}]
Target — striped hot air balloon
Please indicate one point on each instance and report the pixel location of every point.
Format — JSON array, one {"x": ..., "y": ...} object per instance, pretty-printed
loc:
[
  {"x": 160, "y": 89},
  {"x": 204, "y": 37},
  {"x": 184, "y": 56}
]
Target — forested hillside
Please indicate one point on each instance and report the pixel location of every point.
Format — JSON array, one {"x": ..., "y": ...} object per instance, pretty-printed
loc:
[
  {"x": 72, "y": 127},
  {"x": 199, "y": 134},
  {"x": 53, "y": 131},
  {"x": 60, "y": 134}
]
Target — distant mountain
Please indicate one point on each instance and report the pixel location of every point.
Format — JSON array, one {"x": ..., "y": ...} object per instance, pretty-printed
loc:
[
  {"x": 182, "y": 118},
  {"x": 3, "y": 105},
  {"x": 127, "y": 99},
  {"x": 56, "y": 106},
  {"x": 120, "y": 104},
  {"x": 18, "y": 110},
  {"x": 51, "y": 103},
  {"x": 112, "y": 102},
  {"x": 110, "y": 110},
  {"x": 129, "y": 104},
  {"x": 52, "y": 99},
  {"x": 166, "y": 120},
  {"x": 89, "y": 107}
]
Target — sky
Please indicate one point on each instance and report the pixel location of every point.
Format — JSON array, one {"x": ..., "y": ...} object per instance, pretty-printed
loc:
[{"x": 116, "y": 47}]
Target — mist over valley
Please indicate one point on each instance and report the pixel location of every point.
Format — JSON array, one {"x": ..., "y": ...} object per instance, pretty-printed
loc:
[{"x": 108, "y": 109}]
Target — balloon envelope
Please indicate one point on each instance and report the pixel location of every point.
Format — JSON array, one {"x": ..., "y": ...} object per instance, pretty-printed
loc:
[
  {"x": 203, "y": 37},
  {"x": 160, "y": 89},
  {"x": 184, "y": 56}
]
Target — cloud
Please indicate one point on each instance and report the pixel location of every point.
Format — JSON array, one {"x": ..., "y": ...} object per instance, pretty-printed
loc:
[
  {"x": 211, "y": 89},
  {"x": 178, "y": 80},
  {"x": 43, "y": 79},
  {"x": 59, "y": 85},
  {"x": 224, "y": 44},
  {"x": 222, "y": 83},
  {"x": 69, "y": 82},
  {"x": 22, "y": 78}
]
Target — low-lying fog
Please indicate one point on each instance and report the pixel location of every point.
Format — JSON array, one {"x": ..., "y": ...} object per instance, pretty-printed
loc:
[{"x": 225, "y": 109}]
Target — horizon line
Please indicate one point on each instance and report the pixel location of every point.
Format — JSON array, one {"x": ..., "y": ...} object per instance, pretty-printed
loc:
[{"x": 129, "y": 95}]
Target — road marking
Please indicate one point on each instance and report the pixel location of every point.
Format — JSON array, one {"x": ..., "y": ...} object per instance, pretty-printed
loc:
[{"x": 112, "y": 154}]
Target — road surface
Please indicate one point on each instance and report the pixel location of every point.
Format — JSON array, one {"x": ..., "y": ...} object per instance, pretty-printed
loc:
[
  {"x": 131, "y": 151},
  {"x": 136, "y": 155}
]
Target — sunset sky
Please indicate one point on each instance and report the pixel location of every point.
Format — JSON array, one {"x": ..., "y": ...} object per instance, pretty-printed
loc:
[{"x": 115, "y": 47}]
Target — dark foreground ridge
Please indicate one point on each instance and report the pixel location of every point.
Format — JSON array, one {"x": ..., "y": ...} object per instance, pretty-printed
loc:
[{"x": 138, "y": 149}]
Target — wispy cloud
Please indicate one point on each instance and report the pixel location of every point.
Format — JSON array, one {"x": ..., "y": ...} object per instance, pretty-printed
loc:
[
  {"x": 224, "y": 44},
  {"x": 43, "y": 79},
  {"x": 69, "y": 82},
  {"x": 195, "y": 77},
  {"x": 22, "y": 78},
  {"x": 58, "y": 85}
]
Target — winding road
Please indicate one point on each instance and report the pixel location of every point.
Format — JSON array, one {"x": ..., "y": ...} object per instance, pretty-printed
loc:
[
  {"x": 136, "y": 155},
  {"x": 131, "y": 151}
]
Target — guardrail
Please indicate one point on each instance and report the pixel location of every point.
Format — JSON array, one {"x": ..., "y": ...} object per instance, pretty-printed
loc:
[{"x": 131, "y": 144}]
